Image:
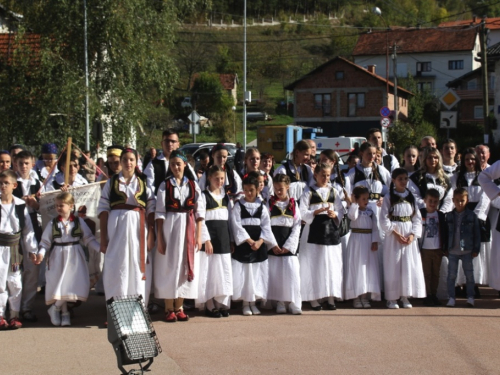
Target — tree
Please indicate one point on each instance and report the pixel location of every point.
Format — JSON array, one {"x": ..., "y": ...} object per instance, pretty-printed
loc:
[{"x": 130, "y": 67}]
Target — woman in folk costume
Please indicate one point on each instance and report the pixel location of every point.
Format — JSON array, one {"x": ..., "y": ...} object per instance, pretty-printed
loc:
[
  {"x": 321, "y": 271},
  {"x": 467, "y": 177},
  {"x": 58, "y": 182},
  {"x": 218, "y": 156},
  {"x": 252, "y": 164},
  {"x": 49, "y": 159},
  {"x": 215, "y": 285},
  {"x": 67, "y": 274},
  {"x": 176, "y": 266},
  {"x": 401, "y": 221},
  {"x": 284, "y": 271},
  {"x": 126, "y": 213}
]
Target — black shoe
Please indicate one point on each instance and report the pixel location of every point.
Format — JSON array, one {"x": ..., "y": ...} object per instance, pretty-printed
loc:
[
  {"x": 213, "y": 313},
  {"x": 316, "y": 308},
  {"x": 330, "y": 306},
  {"x": 436, "y": 300},
  {"x": 477, "y": 294},
  {"x": 224, "y": 313},
  {"x": 428, "y": 301},
  {"x": 28, "y": 316}
]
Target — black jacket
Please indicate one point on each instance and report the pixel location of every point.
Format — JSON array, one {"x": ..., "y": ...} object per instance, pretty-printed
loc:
[{"x": 443, "y": 229}]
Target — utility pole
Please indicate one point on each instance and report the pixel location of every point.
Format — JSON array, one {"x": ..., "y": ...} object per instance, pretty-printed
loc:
[
  {"x": 395, "y": 58},
  {"x": 484, "y": 77},
  {"x": 87, "y": 125},
  {"x": 245, "y": 75}
]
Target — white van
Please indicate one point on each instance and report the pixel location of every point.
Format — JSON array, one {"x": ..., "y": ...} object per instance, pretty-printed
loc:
[{"x": 342, "y": 145}]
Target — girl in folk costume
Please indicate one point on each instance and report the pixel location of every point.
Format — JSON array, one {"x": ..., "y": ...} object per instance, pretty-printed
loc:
[
  {"x": 74, "y": 178},
  {"x": 49, "y": 159},
  {"x": 67, "y": 274},
  {"x": 215, "y": 285},
  {"x": 449, "y": 154},
  {"x": 478, "y": 202},
  {"x": 252, "y": 164},
  {"x": 431, "y": 176},
  {"x": 262, "y": 191},
  {"x": 320, "y": 249},
  {"x": 401, "y": 221},
  {"x": 410, "y": 162},
  {"x": 126, "y": 213},
  {"x": 5, "y": 160},
  {"x": 297, "y": 169},
  {"x": 284, "y": 271},
  {"x": 176, "y": 267},
  {"x": 362, "y": 271},
  {"x": 112, "y": 165},
  {"x": 218, "y": 156},
  {"x": 251, "y": 229}
]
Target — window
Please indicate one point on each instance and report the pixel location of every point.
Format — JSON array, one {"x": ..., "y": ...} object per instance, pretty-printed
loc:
[
  {"x": 424, "y": 86},
  {"x": 478, "y": 112},
  {"x": 355, "y": 101},
  {"x": 339, "y": 75},
  {"x": 455, "y": 64},
  {"x": 472, "y": 84},
  {"x": 424, "y": 66},
  {"x": 323, "y": 102}
]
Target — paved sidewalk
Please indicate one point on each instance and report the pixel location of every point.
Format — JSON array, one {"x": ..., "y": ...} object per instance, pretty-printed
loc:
[{"x": 421, "y": 340}]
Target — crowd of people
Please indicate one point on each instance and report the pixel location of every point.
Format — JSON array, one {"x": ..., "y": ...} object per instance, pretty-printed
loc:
[{"x": 270, "y": 238}]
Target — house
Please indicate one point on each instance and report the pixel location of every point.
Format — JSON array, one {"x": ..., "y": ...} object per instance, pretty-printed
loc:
[
  {"x": 493, "y": 25},
  {"x": 230, "y": 83},
  {"x": 8, "y": 20},
  {"x": 493, "y": 56},
  {"x": 29, "y": 43},
  {"x": 343, "y": 98},
  {"x": 431, "y": 56}
]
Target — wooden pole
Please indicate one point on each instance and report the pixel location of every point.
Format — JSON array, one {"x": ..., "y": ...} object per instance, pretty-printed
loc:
[{"x": 68, "y": 158}]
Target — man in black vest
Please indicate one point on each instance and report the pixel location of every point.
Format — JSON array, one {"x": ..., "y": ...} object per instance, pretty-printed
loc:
[{"x": 375, "y": 138}]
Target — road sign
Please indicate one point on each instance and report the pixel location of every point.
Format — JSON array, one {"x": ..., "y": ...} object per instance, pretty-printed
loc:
[
  {"x": 448, "y": 120},
  {"x": 385, "y": 122},
  {"x": 449, "y": 99},
  {"x": 194, "y": 117},
  {"x": 385, "y": 111}
]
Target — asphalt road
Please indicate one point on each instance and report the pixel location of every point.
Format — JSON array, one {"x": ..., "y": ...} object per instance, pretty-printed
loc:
[{"x": 421, "y": 340}]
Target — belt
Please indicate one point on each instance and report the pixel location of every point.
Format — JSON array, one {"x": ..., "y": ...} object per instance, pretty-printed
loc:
[
  {"x": 16, "y": 256},
  {"x": 373, "y": 196},
  {"x": 404, "y": 219},
  {"x": 9, "y": 239},
  {"x": 142, "y": 232},
  {"x": 54, "y": 244},
  {"x": 360, "y": 230}
]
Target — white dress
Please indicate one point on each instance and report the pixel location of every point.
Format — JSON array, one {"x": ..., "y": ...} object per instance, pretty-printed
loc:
[
  {"x": 170, "y": 269},
  {"x": 321, "y": 272},
  {"x": 251, "y": 280},
  {"x": 284, "y": 271},
  {"x": 492, "y": 190},
  {"x": 362, "y": 269},
  {"x": 216, "y": 274},
  {"x": 122, "y": 275},
  {"x": 67, "y": 274},
  {"x": 296, "y": 189},
  {"x": 404, "y": 275}
]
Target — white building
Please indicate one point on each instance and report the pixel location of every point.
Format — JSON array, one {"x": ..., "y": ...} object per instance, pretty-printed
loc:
[
  {"x": 492, "y": 24},
  {"x": 433, "y": 57}
]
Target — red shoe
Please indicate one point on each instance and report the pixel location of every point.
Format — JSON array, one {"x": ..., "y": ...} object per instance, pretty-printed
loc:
[
  {"x": 3, "y": 324},
  {"x": 181, "y": 316},
  {"x": 170, "y": 317},
  {"x": 15, "y": 323}
]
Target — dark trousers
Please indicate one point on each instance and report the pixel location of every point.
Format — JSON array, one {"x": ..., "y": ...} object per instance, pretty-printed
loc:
[{"x": 431, "y": 263}]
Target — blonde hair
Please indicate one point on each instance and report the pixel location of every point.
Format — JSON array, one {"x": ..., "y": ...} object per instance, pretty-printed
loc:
[
  {"x": 66, "y": 198},
  {"x": 441, "y": 176}
]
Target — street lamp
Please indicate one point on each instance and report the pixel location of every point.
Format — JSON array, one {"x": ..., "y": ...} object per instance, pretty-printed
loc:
[{"x": 234, "y": 122}]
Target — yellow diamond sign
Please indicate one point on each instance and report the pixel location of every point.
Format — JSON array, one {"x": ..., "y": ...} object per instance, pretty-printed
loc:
[{"x": 449, "y": 99}]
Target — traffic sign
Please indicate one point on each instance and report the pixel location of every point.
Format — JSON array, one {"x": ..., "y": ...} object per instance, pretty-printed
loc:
[
  {"x": 385, "y": 122},
  {"x": 385, "y": 111},
  {"x": 449, "y": 99},
  {"x": 448, "y": 120},
  {"x": 194, "y": 117}
]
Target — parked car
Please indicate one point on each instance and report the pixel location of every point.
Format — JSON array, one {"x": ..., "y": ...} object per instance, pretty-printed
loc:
[
  {"x": 194, "y": 148},
  {"x": 257, "y": 116},
  {"x": 186, "y": 103}
]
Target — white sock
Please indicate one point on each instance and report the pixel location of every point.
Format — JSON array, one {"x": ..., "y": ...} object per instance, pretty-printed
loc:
[
  {"x": 314, "y": 303},
  {"x": 331, "y": 300},
  {"x": 59, "y": 304},
  {"x": 210, "y": 304}
]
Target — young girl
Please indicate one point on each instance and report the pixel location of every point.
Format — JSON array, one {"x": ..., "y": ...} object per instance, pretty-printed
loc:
[
  {"x": 262, "y": 191},
  {"x": 401, "y": 221},
  {"x": 253, "y": 162},
  {"x": 67, "y": 275},
  {"x": 218, "y": 156},
  {"x": 176, "y": 267},
  {"x": 362, "y": 273},
  {"x": 320, "y": 249},
  {"x": 252, "y": 228},
  {"x": 49, "y": 158},
  {"x": 5, "y": 160},
  {"x": 431, "y": 176},
  {"x": 216, "y": 278},
  {"x": 410, "y": 162},
  {"x": 478, "y": 202},
  {"x": 449, "y": 155},
  {"x": 297, "y": 169},
  {"x": 126, "y": 201},
  {"x": 284, "y": 272}
]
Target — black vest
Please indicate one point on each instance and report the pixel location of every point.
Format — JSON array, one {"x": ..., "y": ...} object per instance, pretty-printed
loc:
[
  {"x": 243, "y": 253},
  {"x": 18, "y": 191},
  {"x": 304, "y": 174},
  {"x": 19, "y": 212},
  {"x": 160, "y": 172},
  {"x": 117, "y": 197},
  {"x": 421, "y": 181},
  {"x": 360, "y": 176},
  {"x": 323, "y": 230},
  {"x": 218, "y": 229},
  {"x": 173, "y": 204},
  {"x": 387, "y": 162},
  {"x": 281, "y": 233},
  {"x": 462, "y": 181}
]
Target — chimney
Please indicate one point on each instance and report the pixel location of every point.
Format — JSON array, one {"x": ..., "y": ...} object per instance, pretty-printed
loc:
[{"x": 371, "y": 68}]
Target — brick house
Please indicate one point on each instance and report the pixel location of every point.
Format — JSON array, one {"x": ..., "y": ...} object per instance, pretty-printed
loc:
[{"x": 344, "y": 99}]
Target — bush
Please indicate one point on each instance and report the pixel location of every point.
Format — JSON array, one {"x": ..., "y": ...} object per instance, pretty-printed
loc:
[{"x": 403, "y": 134}]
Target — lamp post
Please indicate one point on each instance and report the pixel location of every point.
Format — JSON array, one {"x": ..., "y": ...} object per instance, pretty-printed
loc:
[
  {"x": 234, "y": 122},
  {"x": 245, "y": 74},
  {"x": 87, "y": 126}
]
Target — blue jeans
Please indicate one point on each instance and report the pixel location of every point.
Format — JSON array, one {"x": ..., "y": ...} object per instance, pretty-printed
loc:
[{"x": 452, "y": 273}]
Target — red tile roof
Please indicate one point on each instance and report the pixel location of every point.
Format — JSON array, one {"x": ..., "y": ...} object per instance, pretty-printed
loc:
[
  {"x": 491, "y": 23},
  {"x": 228, "y": 81},
  {"x": 411, "y": 40},
  {"x": 8, "y": 44}
]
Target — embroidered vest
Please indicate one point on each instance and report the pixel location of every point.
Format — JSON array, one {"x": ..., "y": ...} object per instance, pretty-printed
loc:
[
  {"x": 316, "y": 198},
  {"x": 173, "y": 204},
  {"x": 462, "y": 181},
  {"x": 212, "y": 204},
  {"x": 275, "y": 211},
  {"x": 75, "y": 232},
  {"x": 304, "y": 174},
  {"x": 421, "y": 181},
  {"x": 119, "y": 197},
  {"x": 18, "y": 191},
  {"x": 360, "y": 176}
]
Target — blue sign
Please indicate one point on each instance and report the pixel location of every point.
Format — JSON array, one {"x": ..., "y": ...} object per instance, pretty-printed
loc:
[
  {"x": 385, "y": 111},
  {"x": 319, "y": 145}
]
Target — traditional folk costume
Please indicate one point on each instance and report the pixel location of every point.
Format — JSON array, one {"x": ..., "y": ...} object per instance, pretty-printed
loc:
[
  {"x": 232, "y": 185},
  {"x": 67, "y": 274},
  {"x": 404, "y": 276},
  {"x": 215, "y": 276},
  {"x": 251, "y": 268},
  {"x": 15, "y": 227},
  {"x": 128, "y": 206},
  {"x": 300, "y": 176},
  {"x": 284, "y": 270},
  {"x": 362, "y": 269},
  {"x": 176, "y": 273},
  {"x": 321, "y": 273}
]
